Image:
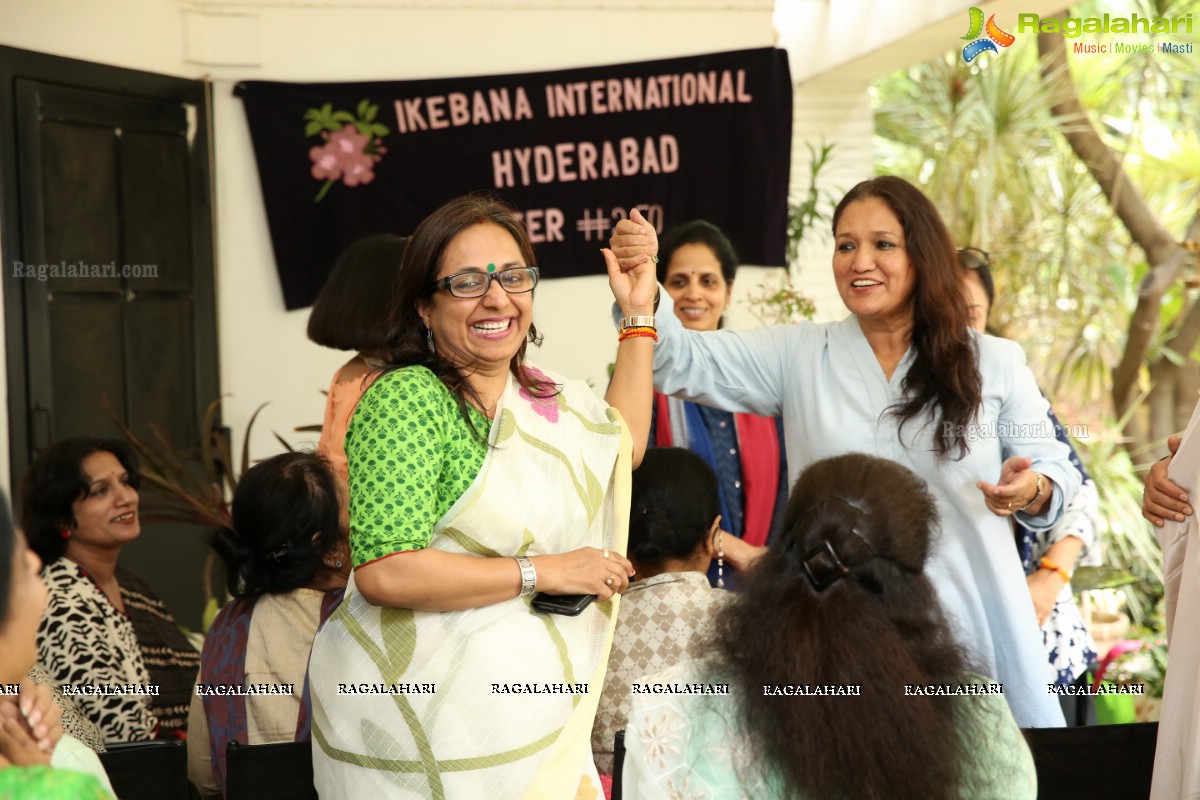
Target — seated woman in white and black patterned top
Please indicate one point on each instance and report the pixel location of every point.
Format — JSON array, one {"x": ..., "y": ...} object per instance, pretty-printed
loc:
[
  {"x": 674, "y": 533},
  {"x": 103, "y": 626}
]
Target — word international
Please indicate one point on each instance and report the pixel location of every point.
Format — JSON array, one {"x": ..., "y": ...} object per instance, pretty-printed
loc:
[
  {"x": 248, "y": 690},
  {"x": 104, "y": 689},
  {"x": 539, "y": 688},
  {"x": 812, "y": 690},
  {"x": 386, "y": 688}
]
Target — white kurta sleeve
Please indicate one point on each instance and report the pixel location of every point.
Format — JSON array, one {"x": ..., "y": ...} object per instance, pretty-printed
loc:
[
  {"x": 739, "y": 371},
  {"x": 1025, "y": 429}
]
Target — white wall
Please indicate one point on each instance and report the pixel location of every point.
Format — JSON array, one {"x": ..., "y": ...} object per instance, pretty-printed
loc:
[
  {"x": 835, "y": 48},
  {"x": 263, "y": 351}
]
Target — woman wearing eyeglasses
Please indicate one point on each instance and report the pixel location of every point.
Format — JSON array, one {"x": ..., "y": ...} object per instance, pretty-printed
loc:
[
  {"x": 1049, "y": 556},
  {"x": 477, "y": 479},
  {"x": 903, "y": 378}
]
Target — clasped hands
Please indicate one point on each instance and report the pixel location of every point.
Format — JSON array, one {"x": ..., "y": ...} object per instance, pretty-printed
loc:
[{"x": 30, "y": 726}]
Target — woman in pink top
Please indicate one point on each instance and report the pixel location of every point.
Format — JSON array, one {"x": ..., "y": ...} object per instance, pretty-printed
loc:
[{"x": 346, "y": 316}]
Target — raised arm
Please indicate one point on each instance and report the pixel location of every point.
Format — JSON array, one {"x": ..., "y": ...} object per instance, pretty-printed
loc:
[
  {"x": 631, "y": 389},
  {"x": 735, "y": 371}
]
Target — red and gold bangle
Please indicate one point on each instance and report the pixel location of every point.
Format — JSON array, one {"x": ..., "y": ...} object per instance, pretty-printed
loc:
[
  {"x": 1046, "y": 563},
  {"x": 638, "y": 330}
]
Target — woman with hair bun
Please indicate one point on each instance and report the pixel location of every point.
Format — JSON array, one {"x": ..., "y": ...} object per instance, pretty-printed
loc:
[
  {"x": 844, "y": 675},
  {"x": 674, "y": 533},
  {"x": 286, "y": 563}
]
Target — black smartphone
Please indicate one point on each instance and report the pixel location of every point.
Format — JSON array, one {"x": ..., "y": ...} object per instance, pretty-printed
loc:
[{"x": 569, "y": 605}]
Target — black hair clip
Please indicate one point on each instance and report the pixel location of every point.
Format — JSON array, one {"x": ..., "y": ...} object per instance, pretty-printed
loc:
[
  {"x": 281, "y": 552},
  {"x": 823, "y": 567}
]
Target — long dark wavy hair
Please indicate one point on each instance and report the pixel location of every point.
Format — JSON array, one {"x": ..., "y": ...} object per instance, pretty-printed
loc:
[
  {"x": 945, "y": 370},
  {"x": 405, "y": 344},
  {"x": 880, "y": 627}
]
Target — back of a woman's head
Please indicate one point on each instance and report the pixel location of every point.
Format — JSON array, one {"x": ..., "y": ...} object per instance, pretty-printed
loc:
[
  {"x": 54, "y": 481},
  {"x": 285, "y": 519},
  {"x": 673, "y": 506},
  {"x": 349, "y": 312},
  {"x": 841, "y": 599}
]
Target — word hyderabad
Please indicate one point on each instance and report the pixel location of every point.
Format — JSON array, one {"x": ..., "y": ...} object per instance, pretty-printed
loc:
[{"x": 1077, "y": 26}]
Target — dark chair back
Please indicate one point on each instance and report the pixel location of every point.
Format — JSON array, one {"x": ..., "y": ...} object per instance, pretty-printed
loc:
[
  {"x": 618, "y": 764},
  {"x": 1096, "y": 761},
  {"x": 282, "y": 771},
  {"x": 148, "y": 770}
]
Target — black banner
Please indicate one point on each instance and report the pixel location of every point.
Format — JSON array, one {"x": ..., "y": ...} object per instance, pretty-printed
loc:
[{"x": 685, "y": 138}]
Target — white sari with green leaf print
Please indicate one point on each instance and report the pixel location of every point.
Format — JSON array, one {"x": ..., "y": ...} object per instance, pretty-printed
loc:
[{"x": 506, "y": 717}]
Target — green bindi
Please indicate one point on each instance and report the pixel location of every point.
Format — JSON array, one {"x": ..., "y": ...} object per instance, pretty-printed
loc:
[{"x": 491, "y": 267}]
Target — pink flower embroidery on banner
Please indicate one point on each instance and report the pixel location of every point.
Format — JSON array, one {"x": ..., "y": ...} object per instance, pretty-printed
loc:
[
  {"x": 546, "y": 405},
  {"x": 353, "y": 145},
  {"x": 343, "y": 157}
]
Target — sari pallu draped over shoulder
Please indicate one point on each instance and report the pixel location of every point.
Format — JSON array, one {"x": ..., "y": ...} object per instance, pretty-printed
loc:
[{"x": 497, "y": 701}]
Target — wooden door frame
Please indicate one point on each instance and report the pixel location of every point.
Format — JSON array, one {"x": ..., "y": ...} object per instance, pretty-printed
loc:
[{"x": 16, "y": 63}]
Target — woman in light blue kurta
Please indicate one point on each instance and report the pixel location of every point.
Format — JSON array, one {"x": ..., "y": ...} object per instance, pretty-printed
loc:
[{"x": 836, "y": 385}]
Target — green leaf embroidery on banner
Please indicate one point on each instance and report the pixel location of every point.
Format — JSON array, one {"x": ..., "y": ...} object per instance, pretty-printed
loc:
[
  {"x": 312, "y": 128},
  {"x": 362, "y": 107}
]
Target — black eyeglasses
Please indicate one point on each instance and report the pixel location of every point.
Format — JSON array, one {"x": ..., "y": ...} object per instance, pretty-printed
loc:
[
  {"x": 475, "y": 283},
  {"x": 974, "y": 258}
]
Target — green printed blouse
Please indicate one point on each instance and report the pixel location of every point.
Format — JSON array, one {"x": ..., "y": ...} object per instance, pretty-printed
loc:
[{"x": 411, "y": 456}]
